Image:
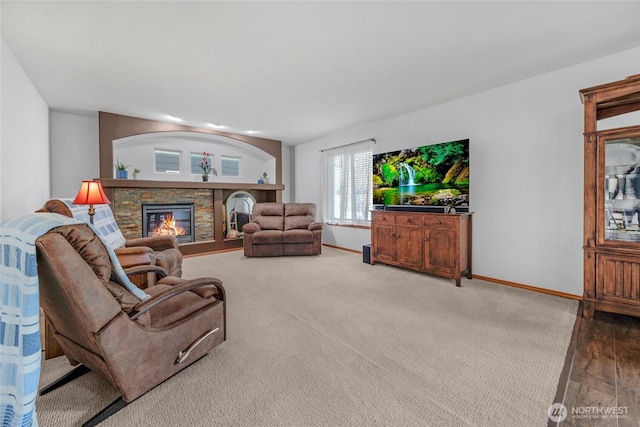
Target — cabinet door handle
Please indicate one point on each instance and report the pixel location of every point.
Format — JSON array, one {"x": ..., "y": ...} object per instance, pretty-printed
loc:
[{"x": 426, "y": 239}]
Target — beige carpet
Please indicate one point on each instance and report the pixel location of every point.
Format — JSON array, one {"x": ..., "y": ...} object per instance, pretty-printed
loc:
[{"x": 330, "y": 341}]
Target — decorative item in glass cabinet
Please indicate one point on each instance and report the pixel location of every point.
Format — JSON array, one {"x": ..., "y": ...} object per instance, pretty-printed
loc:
[{"x": 622, "y": 187}]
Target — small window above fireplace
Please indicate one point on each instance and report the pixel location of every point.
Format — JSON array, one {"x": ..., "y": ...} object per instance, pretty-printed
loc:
[
  {"x": 167, "y": 161},
  {"x": 230, "y": 166}
]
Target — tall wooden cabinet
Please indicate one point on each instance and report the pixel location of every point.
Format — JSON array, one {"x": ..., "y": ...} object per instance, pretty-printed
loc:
[
  {"x": 438, "y": 244},
  {"x": 611, "y": 200}
]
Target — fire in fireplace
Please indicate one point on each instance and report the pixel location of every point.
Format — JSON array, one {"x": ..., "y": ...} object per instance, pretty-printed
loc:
[
  {"x": 164, "y": 219},
  {"x": 169, "y": 227}
]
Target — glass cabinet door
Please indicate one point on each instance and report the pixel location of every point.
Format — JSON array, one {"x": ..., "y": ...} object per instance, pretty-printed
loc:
[{"x": 622, "y": 189}]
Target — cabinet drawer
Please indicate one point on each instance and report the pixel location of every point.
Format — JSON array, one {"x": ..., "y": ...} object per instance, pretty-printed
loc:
[
  {"x": 440, "y": 221},
  {"x": 415, "y": 220},
  {"x": 384, "y": 218}
]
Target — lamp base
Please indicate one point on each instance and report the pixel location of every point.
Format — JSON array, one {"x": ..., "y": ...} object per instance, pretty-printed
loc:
[{"x": 92, "y": 212}]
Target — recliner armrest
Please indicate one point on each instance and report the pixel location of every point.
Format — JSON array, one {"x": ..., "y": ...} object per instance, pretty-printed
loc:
[
  {"x": 315, "y": 226},
  {"x": 140, "y": 269},
  {"x": 186, "y": 286},
  {"x": 251, "y": 228},
  {"x": 133, "y": 250},
  {"x": 157, "y": 243}
]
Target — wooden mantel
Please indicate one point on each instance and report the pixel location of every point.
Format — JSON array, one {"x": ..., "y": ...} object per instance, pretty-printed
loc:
[
  {"x": 139, "y": 183},
  {"x": 216, "y": 195}
]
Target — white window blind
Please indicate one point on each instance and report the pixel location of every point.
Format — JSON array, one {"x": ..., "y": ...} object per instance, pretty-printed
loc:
[
  {"x": 347, "y": 195},
  {"x": 230, "y": 166},
  {"x": 167, "y": 161}
]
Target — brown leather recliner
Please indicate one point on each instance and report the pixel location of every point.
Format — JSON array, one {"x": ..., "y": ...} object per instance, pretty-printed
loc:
[
  {"x": 135, "y": 344},
  {"x": 163, "y": 250}
]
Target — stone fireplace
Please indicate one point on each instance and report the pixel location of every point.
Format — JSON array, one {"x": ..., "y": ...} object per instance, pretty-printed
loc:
[{"x": 127, "y": 208}]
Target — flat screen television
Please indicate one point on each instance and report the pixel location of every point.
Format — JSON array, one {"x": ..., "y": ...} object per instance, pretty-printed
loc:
[{"x": 431, "y": 177}]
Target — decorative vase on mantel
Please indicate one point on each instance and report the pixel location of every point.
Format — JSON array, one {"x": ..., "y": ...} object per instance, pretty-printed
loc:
[{"x": 205, "y": 178}]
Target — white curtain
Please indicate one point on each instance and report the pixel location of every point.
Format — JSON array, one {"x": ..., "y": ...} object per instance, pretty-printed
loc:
[{"x": 346, "y": 188}]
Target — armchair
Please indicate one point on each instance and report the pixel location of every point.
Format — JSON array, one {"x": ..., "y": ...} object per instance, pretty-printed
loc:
[
  {"x": 134, "y": 343},
  {"x": 163, "y": 250}
]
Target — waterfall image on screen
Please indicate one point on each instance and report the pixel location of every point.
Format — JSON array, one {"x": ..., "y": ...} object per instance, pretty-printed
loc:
[{"x": 431, "y": 175}]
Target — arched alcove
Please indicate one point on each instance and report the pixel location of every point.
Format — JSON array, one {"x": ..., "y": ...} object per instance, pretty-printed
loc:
[
  {"x": 138, "y": 151},
  {"x": 115, "y": 127}
]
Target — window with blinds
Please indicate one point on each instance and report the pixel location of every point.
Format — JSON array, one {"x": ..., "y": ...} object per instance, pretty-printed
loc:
[
  {"x": 167, "y": 161},
  {"x": 347, "y": 193},
  {"x": 230, "y": 166}
]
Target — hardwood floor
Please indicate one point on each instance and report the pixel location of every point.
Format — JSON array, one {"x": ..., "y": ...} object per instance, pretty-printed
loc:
[{"x": 600, "y": 383}]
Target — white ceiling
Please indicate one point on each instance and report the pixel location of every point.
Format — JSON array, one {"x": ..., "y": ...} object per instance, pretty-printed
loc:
[{"x": 296, "y": 71}]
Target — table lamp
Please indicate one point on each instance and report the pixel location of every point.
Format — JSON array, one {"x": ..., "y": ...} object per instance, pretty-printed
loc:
[{"x": 91, "y": 193}]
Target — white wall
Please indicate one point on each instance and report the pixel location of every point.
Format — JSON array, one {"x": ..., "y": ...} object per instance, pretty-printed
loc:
[
  {"x": 526, "y": 164},
  {"x": 24, "y": 141},
  {"x": 74, "y": 152}
]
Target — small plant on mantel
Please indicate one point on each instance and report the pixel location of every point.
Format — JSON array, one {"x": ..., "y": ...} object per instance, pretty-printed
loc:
[
  {"x": 121, "y": 170},
  {"x": 120, "y": 166},
  {"x": 206, "y": 166}
]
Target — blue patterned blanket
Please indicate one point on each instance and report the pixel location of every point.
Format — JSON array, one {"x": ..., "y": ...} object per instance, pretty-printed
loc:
[
  {"x": 104, "y": 223},
  {"x": 20, "y": 348}
]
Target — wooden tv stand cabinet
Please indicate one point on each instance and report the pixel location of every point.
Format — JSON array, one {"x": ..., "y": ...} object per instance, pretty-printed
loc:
[{"x": 434, "y": 243}]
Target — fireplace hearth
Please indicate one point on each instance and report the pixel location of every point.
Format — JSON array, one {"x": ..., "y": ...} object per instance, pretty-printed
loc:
[{"x": 169, "y": 219}]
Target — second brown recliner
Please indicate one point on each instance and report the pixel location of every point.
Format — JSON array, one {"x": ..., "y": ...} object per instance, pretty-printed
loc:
[{"x": 162, "y": 250}]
